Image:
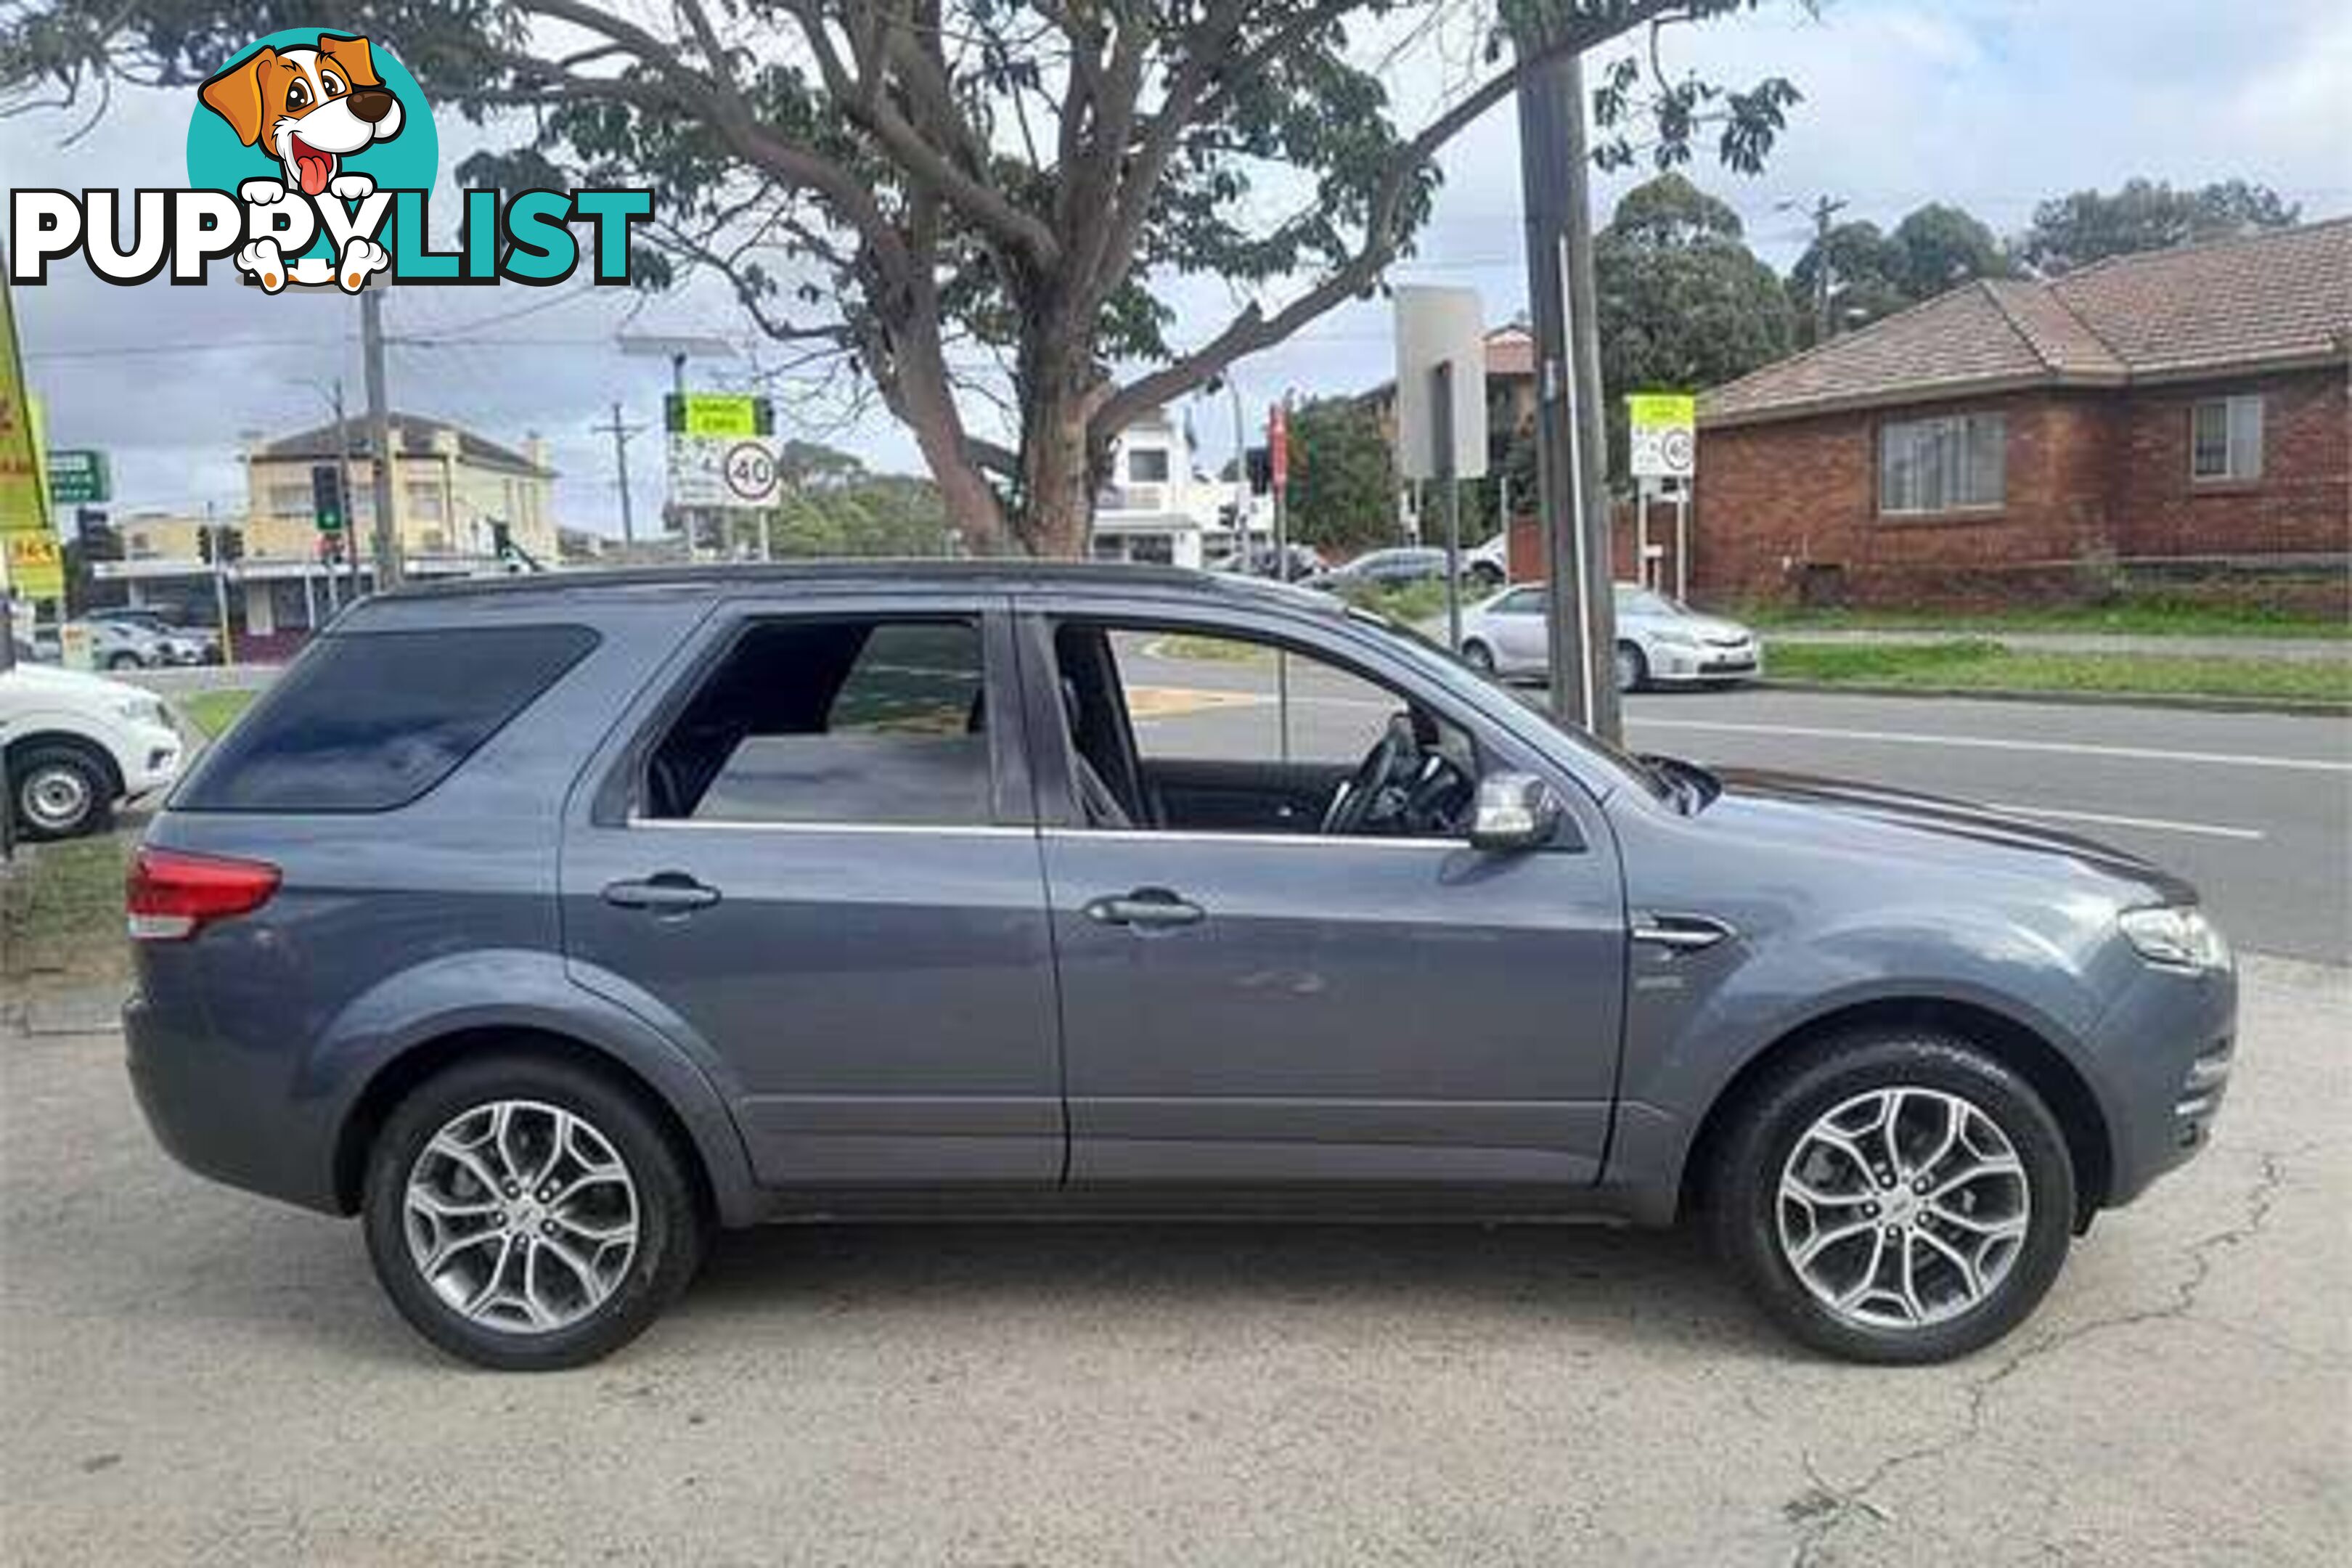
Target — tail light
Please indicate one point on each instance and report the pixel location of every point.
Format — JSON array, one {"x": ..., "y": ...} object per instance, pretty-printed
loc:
[{"x": 170, "y": 895}]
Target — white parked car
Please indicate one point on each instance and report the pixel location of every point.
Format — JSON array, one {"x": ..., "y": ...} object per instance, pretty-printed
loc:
[
  {"x": 1660, "y": 640},
  {"x": 126, "y": 644},
  {"x": 78, "y": 745}
]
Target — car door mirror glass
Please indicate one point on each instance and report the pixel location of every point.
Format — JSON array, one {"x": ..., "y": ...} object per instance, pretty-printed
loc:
[{"x": 1514, "y": 811}]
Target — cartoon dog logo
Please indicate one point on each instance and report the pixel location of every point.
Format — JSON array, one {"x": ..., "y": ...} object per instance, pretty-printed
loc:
[{"x": 310, "y": 109}]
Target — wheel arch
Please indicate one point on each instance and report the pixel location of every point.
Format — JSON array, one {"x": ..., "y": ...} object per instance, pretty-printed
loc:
[
  {"x": 2016, "y": 1045},
  {"x": 71, "y": 740}
]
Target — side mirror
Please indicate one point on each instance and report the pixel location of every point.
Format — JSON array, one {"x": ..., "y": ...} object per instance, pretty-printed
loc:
[{"x": 1514, "y": 811}]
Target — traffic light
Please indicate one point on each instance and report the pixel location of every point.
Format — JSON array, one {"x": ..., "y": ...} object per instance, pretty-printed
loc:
[
  {"x": 227, "y": 543},
  {"x": 327, "y": 496}
]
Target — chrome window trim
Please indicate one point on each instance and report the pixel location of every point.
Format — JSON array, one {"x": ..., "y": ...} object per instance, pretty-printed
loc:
[
  {"x": 1197, "y": 835},
  {"x": 745, "y": 825}
]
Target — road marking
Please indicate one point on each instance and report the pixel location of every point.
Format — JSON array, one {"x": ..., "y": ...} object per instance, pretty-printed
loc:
[
  {"x": 2106, "y": 820},
  {"x": 1986, "y": 743}
]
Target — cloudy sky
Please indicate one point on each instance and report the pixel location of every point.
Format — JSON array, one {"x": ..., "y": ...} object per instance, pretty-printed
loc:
[{"x": 1992, "y": 104}]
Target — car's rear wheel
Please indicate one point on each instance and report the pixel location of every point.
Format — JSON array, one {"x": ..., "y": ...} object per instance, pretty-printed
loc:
[
  {"x": 1895, "y": 1197},
  {"x": 527, "y": 1213},
  {"x": 61, "y": 792},
  {"x": 125, "y": 660},
  {"x": 1479, "y": 656},
  {"x": 1632, "y": 669}
]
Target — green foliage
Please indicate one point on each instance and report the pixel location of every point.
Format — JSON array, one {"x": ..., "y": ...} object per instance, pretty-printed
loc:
[
  {"x": 1342, "y": 476},
  {"x": 1982, "y": 664},
  {"x": 1684, "y": 303},
  {"x": 2090, "y": 225},
  {"x": 832, "y": 506},
  {"x": 1937, "y": 247}
]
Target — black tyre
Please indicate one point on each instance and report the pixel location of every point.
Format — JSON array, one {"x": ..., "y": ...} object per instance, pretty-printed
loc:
[
  {"x": 1485, "y": 576},
  {"x": 1631, "y": 666},
  {"x": 1894, "y": 1197},
  {"x": 125, "y": 660},
  {"x": 1479, "y": 656},
  {"x": 528, "y": 1214},
  {"x": 62, "y": 791}
]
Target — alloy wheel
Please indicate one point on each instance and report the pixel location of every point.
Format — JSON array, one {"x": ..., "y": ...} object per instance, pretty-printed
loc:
[
  {"x": 521, "y": 1215},
  {"x": 1903, "y": 1206}
]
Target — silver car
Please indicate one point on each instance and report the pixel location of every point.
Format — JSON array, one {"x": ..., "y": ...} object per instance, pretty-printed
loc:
[
  {"x": 1660, "y": 640},
  {"x": 134, "y": 645}
]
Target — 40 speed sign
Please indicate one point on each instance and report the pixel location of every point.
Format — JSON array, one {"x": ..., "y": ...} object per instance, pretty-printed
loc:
[{"x": 722, "y": 451}]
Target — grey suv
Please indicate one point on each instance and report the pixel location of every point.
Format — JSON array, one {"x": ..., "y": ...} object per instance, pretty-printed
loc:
[{"x": 550, "y": 923}]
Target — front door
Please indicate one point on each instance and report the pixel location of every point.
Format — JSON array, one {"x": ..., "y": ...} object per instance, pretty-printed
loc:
[
  {"x": 813, "y": 862},
  {"x": 1249, "y": 1001}
]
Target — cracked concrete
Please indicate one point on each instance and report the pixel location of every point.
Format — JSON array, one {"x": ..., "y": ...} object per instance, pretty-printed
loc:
[{"x": 193, "y": 1376}]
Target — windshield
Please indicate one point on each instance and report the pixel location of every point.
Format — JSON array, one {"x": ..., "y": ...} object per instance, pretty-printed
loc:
[{"x": 1648, "y": 602}]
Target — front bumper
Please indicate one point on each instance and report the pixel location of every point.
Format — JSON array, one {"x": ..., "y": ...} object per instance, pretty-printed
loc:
[
  {"x": 2166, "y": 1050},
  {"x": 1707, "y": 662},
  {"x": 150, "y": 760}
]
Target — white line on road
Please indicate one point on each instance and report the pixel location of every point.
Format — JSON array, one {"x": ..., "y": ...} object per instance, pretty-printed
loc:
[
  {"x": 1986, "y": 743},
  {"x": 2105, "y": 819}
]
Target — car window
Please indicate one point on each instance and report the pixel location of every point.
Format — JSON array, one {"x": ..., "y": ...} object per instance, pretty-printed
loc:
[
  {"x": 1519, "y": 602},
  {"x": 371, "y": 722},
  {"x": 876, "y": 720},
  {"x": 1643, "y": 602}
]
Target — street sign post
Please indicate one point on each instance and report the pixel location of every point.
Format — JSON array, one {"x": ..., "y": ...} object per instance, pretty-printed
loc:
[
  {"x": 1441, "y": 409},
  {"x": 1661, "y": 446},
  {"x": 78, "y": 477},
  {"x": 722, "y": 454}
]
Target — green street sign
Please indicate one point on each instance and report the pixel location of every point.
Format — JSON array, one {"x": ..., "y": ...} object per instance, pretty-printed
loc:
[{"x": 78, "y": 477}]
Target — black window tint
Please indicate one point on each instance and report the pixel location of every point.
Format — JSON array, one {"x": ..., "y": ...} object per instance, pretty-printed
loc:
[
  {"x": 372, "y": 720},
  {"x": 833, "y": 721}
]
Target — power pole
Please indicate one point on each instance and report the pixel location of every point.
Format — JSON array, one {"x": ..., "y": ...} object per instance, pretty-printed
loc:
[
  {"x": 346, "y": 547},
  {"x": 1555, "y": 169},
  {"x": 621, "y": 434},
  {"x": 1822, "y": 210},
  {"x": 387, "y": 537}
]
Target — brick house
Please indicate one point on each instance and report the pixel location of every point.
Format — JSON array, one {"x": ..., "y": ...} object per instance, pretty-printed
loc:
[{"x": 2184, "y": 415}]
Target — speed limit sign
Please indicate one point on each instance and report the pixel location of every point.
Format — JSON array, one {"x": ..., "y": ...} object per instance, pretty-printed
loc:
[{"x": 751, "y": 472}]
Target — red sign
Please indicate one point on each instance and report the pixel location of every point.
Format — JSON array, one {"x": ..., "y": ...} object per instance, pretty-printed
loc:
[{"x": 1278, "y": 431}]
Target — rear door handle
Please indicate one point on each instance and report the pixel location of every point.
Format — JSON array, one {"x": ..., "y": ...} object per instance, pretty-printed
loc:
[
  {"x": 1150, "y": 908},
  {"x": 665, "y": 892}
]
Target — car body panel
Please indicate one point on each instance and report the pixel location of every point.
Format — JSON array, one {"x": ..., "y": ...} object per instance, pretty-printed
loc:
[{"x": 39, "y": 700}]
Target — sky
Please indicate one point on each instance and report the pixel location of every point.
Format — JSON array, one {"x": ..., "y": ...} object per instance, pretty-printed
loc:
[{"x": 1991, "y": 104}]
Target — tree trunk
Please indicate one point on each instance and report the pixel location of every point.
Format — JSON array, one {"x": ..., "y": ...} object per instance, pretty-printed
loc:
[{"x": 1058, "y": 488}]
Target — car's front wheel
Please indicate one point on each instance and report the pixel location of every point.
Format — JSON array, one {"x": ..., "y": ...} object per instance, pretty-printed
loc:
[
  {"x": 62, "y": 791},
  {"x": 1631, "y": 668},
  {"x": 528, "y": 1214},
  {"x": 1479, "y": 656},
  {"x": 1895, "y": 1197}
]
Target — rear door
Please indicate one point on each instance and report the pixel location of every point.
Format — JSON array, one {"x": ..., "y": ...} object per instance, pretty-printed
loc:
[{"x": 812, "y": 858}]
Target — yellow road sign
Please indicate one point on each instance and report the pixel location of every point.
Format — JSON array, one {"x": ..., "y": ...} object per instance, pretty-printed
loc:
[{"x": 36, "y": 569}]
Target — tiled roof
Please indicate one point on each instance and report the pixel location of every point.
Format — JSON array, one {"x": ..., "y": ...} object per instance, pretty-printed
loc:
[
  {"x": 2281, "y": 298},
  {"x": 411, "y": 432}
]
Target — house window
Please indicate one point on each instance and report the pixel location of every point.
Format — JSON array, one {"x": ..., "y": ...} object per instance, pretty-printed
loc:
[
  {"x": 1954, "y": 463},
  {"x": 1148, "y": 466},
  {"x": 2225, "y": 438},
  {"x": 425, "y": 502}
]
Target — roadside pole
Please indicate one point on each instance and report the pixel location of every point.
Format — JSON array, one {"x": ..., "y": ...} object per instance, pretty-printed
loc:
[
  {"x": 220, "y": 587},
  {"x": 1555, "y": 178},
  {"x": 387, "y": 539},
  {"x": 1278, "y": 467},
  {"x": 343, "y": 546},
  {"x": 1441, "y": 393}
]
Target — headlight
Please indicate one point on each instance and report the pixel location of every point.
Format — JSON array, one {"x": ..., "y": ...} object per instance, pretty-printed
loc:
[
  {"x": 2177, "y": 937},
  {"x": 144, "y": 711},
  {"x": 1675, "y": 640}
]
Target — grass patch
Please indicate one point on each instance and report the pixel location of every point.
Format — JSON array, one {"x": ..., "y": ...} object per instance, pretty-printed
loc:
[
  {"x": 2143, "y": 616},
  {"x": 214, "y": 712},
  {"x": 61, "y": 911},
  {"x": 1221, "y": 651},
  {"x": 1978, "y": 664}
]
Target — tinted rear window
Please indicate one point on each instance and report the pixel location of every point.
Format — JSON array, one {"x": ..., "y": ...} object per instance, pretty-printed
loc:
[{"x": 371, "y": 722}]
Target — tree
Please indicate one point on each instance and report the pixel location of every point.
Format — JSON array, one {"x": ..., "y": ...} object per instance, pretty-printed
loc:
[
  {"x": 1342, "y": 476},
  {"x": 2074, "y": 230},
  {"x": 1942, "y": 247},
  {"x": 971, "y": 198},
  {"x": 1866, "y": 272},
  {"x": 1684, "y": 303}
]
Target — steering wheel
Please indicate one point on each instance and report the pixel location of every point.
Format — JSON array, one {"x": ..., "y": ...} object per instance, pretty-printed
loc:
[{"x": 1393, "y": 760}]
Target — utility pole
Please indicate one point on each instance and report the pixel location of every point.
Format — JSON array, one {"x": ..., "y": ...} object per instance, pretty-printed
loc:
[
  {"x": 1555, "y": 170},
  {"x": 387, "y": 537},
  {"x": 621, "y": 434},
  {"x": 219, "y": 537},
  {"x": 1822, "y": 210},
  {"x": 345, "y": 546}
]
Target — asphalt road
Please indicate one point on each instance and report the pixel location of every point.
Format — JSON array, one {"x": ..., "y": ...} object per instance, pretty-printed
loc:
[
  {"x": 194, "y": 1376},
  {"x": 2254, "y": 808}
]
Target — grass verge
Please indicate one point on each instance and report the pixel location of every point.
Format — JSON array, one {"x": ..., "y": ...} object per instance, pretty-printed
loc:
[
  {"x": 2150, "y": 617},
  {"x": 214, "y": 712},
  {"x": 1978, "y": 664},
  {"x": 61, "y": 911}
]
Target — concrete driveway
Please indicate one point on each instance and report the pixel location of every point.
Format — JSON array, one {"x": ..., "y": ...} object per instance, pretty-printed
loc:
[{"x": 194, "y": 1376}]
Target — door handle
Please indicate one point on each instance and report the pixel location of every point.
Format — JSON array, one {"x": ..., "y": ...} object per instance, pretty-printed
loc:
[
  {"x": 1148, "y": 907},
  {"x": 665, "y": 892},
  {"x": 1679, "y": 933}
]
